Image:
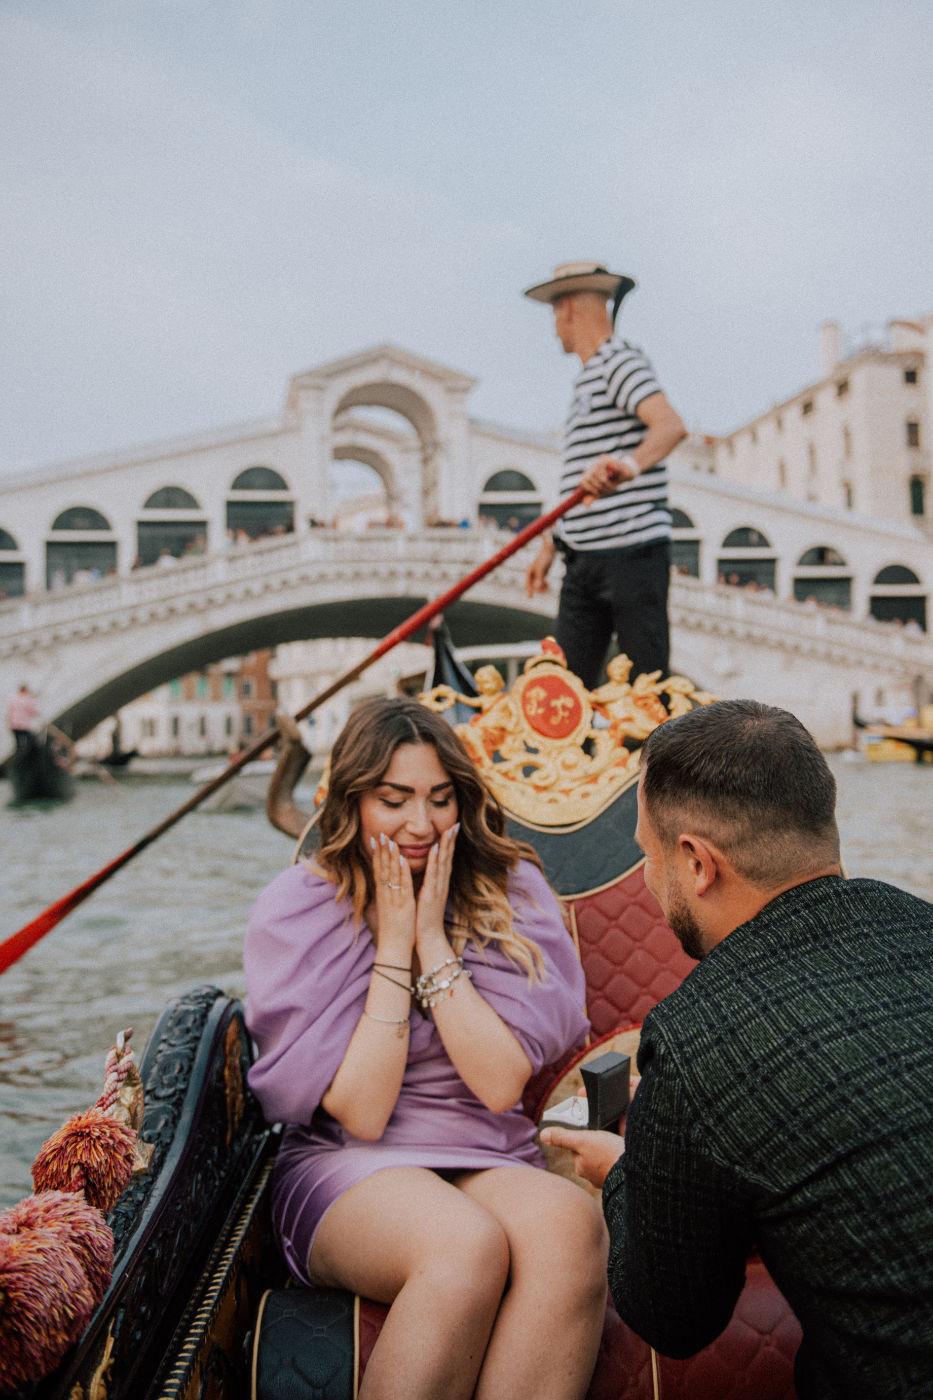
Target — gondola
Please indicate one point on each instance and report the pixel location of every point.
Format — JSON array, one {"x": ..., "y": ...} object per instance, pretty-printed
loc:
[
  {"x": 199, "y": 1306},
  {"x": 40, "y": 772},
  {"x": 918, "y": 738}
]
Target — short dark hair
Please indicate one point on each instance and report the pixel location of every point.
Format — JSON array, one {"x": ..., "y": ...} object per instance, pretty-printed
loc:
[{"x": 751, "y": 778}]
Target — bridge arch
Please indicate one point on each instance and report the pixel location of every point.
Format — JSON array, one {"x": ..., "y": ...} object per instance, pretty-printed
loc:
[
  {"x": 398, "y": 398},
  {"x": 382, "y": 391},
  {"x": 352, "y": 450},
  {"x": 471, "y": 621}
]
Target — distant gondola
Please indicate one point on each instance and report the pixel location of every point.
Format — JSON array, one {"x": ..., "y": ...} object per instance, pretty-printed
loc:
[{"x": 39, "y": 772}]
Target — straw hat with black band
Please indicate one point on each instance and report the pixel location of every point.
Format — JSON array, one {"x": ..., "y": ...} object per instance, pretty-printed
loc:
[{"x": 583, "y": 277}]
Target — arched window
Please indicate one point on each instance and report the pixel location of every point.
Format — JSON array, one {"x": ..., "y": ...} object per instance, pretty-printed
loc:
[
  {"x": 171, "y": 498},
  {"x": 748, "y": 566},
  {"x": 510, "y": 500},
  {"x": 746, "y": 538},
  {"x": 81, "y": 518},
  {"x": 12, "y": 571},
  {"x": 821, "y": 554},
  {"x": 509, "y": 480},
  {"x": 820, "y": 578},
  {"x": 259, "y": 479},
  {"x": 261, "y": 510},
  {"x": 896, "y": 573},
  {"x": 685, "y": 548},
  {"x": 79, "y": 561},
  {"x": 903, "y": 599}
]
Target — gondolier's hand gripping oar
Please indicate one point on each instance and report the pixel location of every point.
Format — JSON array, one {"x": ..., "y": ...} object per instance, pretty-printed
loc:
[{"x": 13, "y": 948}]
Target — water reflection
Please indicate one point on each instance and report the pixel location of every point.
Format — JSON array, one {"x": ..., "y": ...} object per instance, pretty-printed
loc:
[{"x": 174, "y": 917}]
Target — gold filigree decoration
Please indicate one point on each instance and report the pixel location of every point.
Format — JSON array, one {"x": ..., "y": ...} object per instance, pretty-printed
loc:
[
  {"x": 97, "y": 1385},
  {"x": 553, "y": 752}
]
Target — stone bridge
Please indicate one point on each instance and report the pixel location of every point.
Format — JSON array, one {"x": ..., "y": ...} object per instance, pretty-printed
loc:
[{"x": 89, "y": 649}]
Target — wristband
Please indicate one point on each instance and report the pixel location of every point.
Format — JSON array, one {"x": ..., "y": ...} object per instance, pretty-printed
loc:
[{"x": 629, "y": 461}]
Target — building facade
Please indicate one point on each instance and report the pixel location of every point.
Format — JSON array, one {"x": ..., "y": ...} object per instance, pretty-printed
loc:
[{"x": 855, "y": 442}]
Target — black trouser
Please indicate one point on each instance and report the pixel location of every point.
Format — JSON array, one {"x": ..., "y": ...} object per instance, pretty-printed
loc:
[
  {"x": 615, "y": 590},
  {"x": 25, "y": 740}
]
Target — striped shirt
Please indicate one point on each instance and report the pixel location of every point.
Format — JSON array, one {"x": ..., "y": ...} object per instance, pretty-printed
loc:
[{"x": 603, "y": 418}]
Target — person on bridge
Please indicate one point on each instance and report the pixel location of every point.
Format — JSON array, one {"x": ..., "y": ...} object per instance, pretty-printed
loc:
[
  {"x": 786, "y": 1094},
  {"x": 21, "y": 715},
  {"x": 402, "y": 988},
  {"x": 619, "y": 429}
]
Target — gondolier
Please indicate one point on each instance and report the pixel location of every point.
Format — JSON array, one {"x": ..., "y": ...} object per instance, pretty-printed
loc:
[
  {"x": 619, "y": 429},
  {"x": 21, "y": 715}
]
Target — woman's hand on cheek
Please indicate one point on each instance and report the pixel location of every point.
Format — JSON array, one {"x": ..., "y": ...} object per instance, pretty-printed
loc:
[
  {"x": 395, "y": 897},
  {"x": 432, "y": 900}
]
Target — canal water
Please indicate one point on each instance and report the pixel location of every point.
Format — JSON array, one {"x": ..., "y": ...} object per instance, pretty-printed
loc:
[{"x": 174, "y": 917}]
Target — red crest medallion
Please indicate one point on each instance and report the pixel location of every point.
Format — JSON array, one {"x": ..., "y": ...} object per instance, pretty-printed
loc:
[{"x": 551, "y": 707}]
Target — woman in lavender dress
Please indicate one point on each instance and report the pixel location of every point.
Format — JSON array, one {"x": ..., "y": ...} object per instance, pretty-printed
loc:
[{"x": 402, "y": 989}]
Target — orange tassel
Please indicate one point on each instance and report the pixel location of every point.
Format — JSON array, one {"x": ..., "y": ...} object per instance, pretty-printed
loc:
[{"x": 92, "y": 1153}]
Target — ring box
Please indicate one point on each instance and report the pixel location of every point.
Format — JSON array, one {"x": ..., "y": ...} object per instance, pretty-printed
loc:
[{"x": 606, "y": 1081}]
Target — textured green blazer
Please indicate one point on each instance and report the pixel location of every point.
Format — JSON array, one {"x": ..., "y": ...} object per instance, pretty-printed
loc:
[{"x": 786, "y": 1104}]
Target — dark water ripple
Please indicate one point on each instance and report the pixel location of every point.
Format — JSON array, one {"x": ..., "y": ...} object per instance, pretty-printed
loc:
[{"x": 174, "y": 917}]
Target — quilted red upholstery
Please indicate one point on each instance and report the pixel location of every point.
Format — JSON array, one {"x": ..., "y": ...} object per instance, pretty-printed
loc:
[
  {"x": 630, "y": 956},
  {"x": 372, "y": 1316},
  {"x": 753, "y": 1358}
]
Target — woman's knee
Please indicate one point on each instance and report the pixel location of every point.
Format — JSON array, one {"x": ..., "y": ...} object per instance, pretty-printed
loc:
[
  {"x": 479, "y": 1245},
  {"x": 467, "y": 1262},
  {"x": 572, "y": 1242}
]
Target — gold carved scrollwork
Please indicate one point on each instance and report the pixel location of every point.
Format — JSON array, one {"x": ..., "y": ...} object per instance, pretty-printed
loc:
[
  {"x": 552, "y": 751},
  {"x": 97, "y": 1385}
]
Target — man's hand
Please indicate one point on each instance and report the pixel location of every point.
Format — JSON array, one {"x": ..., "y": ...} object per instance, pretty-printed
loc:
[
  {"x": 537, "y": 571},
  {"x": 594, "y": 1153},
  {"x": 604, "y": 474}
]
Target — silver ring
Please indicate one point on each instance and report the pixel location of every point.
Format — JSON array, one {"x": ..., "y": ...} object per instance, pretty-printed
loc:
[{"x": 390, "y": 886}]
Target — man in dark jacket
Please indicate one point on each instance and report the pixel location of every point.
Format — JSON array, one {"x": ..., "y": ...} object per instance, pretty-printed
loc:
[{"x": 786, "y": 1098}]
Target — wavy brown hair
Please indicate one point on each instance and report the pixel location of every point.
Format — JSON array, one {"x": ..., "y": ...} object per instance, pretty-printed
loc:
[{"x": 484, "y": 854}]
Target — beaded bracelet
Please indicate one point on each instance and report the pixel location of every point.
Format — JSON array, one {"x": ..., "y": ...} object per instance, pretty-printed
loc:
[
  {"x": 427, "y": 980},
  {"x": 429, "y": 990}
]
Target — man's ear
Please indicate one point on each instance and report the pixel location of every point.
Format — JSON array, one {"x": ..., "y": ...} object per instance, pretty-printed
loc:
[{"x": 703, "y": 861}]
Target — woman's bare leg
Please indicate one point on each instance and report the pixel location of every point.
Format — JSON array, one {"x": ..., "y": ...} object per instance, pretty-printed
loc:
[
  {"x": 406, "y": 1237},
  {"x": 548, "y": 1327}
]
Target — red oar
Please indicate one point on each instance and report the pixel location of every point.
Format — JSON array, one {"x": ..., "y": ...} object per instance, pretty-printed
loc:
[{"x": 13, "y": 948}]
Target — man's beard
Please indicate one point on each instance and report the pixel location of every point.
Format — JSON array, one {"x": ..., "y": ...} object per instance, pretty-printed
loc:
[{"x": 685, "y": 926}]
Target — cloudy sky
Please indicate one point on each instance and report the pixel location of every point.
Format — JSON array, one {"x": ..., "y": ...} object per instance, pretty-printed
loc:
[{"x": 203, "y": 197}]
